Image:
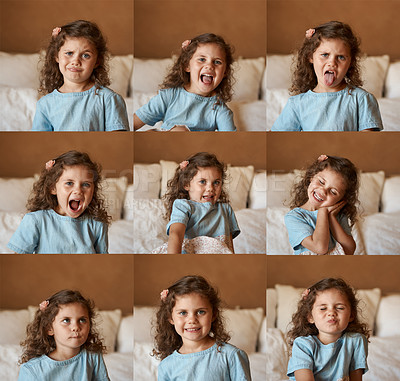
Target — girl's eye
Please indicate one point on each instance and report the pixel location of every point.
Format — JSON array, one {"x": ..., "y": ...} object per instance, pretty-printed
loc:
[
  {"x": 66, "y": 320},
  {"x": 69, "y": 183},
  {"x": 321, "y": 182},
  {"x": 83, "y": 320},
  {"x": 68, "y": 53},
  {"x": 201, "y": 312},
  {"x": 86, "y": 56},
  {"x": 342, "y": 58},
  {"x": 324, "y": 54},
  {"x": 182, "y": 313},
  {"x": 202, "y": 59},
  {"x": 218, "y": 62},
  {"x": 87, "y": 185},
  {"x": 333, "y": 192},
  {"x": 217, "y": 182},
  {"x": 202, "y": 181}
]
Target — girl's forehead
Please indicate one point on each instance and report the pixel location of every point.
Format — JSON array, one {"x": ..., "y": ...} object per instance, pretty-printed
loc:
[
  {"x": 334, "y": 43},
  {"x": 331, "y": 295},
  {"x": 73, "y": 309},
  {"x": 78, "y": 42},
  {"x": 210, "y": 48}
]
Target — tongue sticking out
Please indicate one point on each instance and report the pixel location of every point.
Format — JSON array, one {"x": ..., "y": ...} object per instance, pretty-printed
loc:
[
  {"x": 329, "y": 78},
  {"x": 74, "y": 205},
  {"x": 206, "y": 79}
]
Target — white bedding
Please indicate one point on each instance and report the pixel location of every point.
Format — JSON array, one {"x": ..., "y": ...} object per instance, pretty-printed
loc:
[
  {"x": 119, "y": 365},
  {"x": 383, "y": 357},
  {"x": 374, "y": 234}
]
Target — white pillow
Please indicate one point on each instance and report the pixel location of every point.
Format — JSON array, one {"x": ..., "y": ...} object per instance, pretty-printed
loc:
[
  {"x": 13, "y": 326},
  {"x": 19, "y": 70},
  {"x": 168, "y": 169},
  {"x": 388, "y": 317},
  {"x": 390, "y": 195},
  {"x": 107, "y": 325},
  {"x": 271, "y": 307},
  {"x": 147, "y": 181},
  {"x": 127, "y": 211},
  {"x": 248, "y": 74},
  {"x": 120, "y": 73},
  {"x": 238, "y": 185},
  {"x": 114, "y": 193},
  {"x": 244, "y": 327},
  {"x": 262, "y": 345},
  {"x": 278, "y": 188},
  {"x": 258, "y": 191},
  {"x": 125, "y": 335},
  {"x": 374, "y": 71},
  {"x": 371, "y": 185},
  {"x": 279, "y": 71},
  {"x": 392, "y": 84},
  {"x": 143, "y": 319},
  {"x": 368, "y": 306},
  {"x": 19, "y": 189},
  {"x": 148, "y": 74}
]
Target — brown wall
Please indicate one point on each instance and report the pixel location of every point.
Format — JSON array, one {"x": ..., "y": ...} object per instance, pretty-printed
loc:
[
  {"x": 374, "y": 21},
  {"x": 369, "y": 151},
  {"x": 359, "y": 271},
  {"x": 240, "y": 279},
  {"x": 25, "y": 153},
  {"x": 26, "y": 25},
  {"x": 239, "y": 148},
  {"x": 29, "y": 279}
]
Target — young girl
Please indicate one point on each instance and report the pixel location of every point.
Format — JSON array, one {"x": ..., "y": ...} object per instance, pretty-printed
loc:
[
  {"x": 74, "y": 77},
  {"x": 194, "y": 93},
  {"x": 62, "y": 343},
  {"x": 67, "y": 210},
  {"x": 197, "y": 207},
  {"x": 190, "y": 336},
  {"x": 329, "y": 342},
  {"x": 326, "y": 84},
  {"x": 323, "y": 201}
]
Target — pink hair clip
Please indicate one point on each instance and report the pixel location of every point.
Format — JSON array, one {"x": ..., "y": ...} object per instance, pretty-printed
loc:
[
  {"x": 310, "y": 33},
  {"x": 185, "y": 44},
  {"x": 322, "y": 157},
  {"x": 184, "y": 164},
  {"x": 43, "y": 305},
  {"x": 56, "y": 31},
  {"x": 50, "y": 164},
  {"x": 164, "y": 294},
  {"x": 305, "y": 293}
]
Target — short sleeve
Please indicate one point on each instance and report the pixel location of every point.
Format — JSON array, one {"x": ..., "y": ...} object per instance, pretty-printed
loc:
[
  {"x": 360, "y": 353},
  {"x": 26, "y": 238},
  {"x": 301, "y": 356},
  {"x": 154, "y": 110},
  {"x": 344, "y": 223},
  {"x": 233, "y": 225},
  {"x": 101, "y": 243},
  {"x": 369, "y": 115},
  {"x": 116, "y": 114},
  {"x": 181, "y": 212},
  {"x": 298, "y": 228},
  {"x": 239, "y": 366},
  {"x": 40, "y": 120},
  {"x": 287, "y": 120},
  {"x": 225, "y": 119},
  {"x": 100, "y": 370},
  {"x": 25, "y": 374}
]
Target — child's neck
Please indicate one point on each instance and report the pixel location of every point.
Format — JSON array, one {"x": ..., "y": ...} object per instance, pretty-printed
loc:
[
  {"x": 70, "y": 87},
  {"x": 62, "y": 355},
  {"x": 321, "y": 88},
  {"x": 196, "y": 346}
]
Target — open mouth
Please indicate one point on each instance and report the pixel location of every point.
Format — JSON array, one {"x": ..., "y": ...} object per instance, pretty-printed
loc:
[
  {"x": 75, "y": 205},
  {"x": 317, "y": 197},
  {"x": 208, "y": 198},
  {"x": 206, "y": 78},
  {"x": 329, "y": 77},
  {"x": 192, "y": 329}
]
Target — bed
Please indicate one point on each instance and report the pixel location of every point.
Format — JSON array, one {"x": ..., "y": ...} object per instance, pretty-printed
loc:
[
  {"x": 381, "y": 312},
  {"x": 381, "y": 78},
  {"x": 246, "y": 189},
  {"x": 117, "y": 330}
]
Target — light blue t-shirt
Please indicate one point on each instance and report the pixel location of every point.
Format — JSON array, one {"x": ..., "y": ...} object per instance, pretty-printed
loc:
[
  {"x": 204, "y": 218},
  {"x": 331, "y": 362},
  {"x": 46, "y": 232},
  {"x": 176, "y": 106},
  {"x": 345, "y": 110},
  {"x": 91, "y": 110},
  {"x": 227, "y": 363},
  {"x": 300, "y": 223},
  {"x": 85, "y": 366}
]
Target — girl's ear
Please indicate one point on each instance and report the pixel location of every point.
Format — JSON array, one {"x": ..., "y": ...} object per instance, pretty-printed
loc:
[
  {"x": 53, "y": 190},
  {"x": 310, "y": 319},
  {"x": 50, "y": 332}
]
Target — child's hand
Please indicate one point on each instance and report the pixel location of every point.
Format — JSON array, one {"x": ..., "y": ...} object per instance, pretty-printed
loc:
[
  {"x": 335, "y": 209},
  {"x": 180, "y": 128}
]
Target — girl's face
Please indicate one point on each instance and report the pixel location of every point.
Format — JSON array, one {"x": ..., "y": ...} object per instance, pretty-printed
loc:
[
  {"x": 331, "y": 61},
  {"x": 74, "y": 190},
  {"x": 207, "y": 69},
  {"x": 76, "y": 60},
  {"x": 70, "y": 329},
  {"x": 192, "y": 317},
  {"x": 326, "y": 188},
  {"x": 331, "y": 314},
  {"x": 206, "y": 185}
]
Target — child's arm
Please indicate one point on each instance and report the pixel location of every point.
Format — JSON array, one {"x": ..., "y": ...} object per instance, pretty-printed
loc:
[
  {"x": 137, "y": 123},
  {"x": 318, "y": 242},
  {"x": 304, "y": 375},
  {"x": 346, "y": 240},
  {"x": 356, "y": 375},
  {"x": 176, "y": 235}
]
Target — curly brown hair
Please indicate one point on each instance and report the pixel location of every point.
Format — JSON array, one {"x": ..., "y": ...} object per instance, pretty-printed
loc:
[
  {"x": 342, "y": 166},
  {"x": 38, "y": 342},
  {"x": 41, "y": 197},
  {"x": 182, "y": 178},
  {"x": 304, "y": 77},
  {"x": 300, "y": 324},
  {"x": 167, "y": 339},
  {"x": 51, "y": 77},
  {"x": 179, "y": 77}
]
